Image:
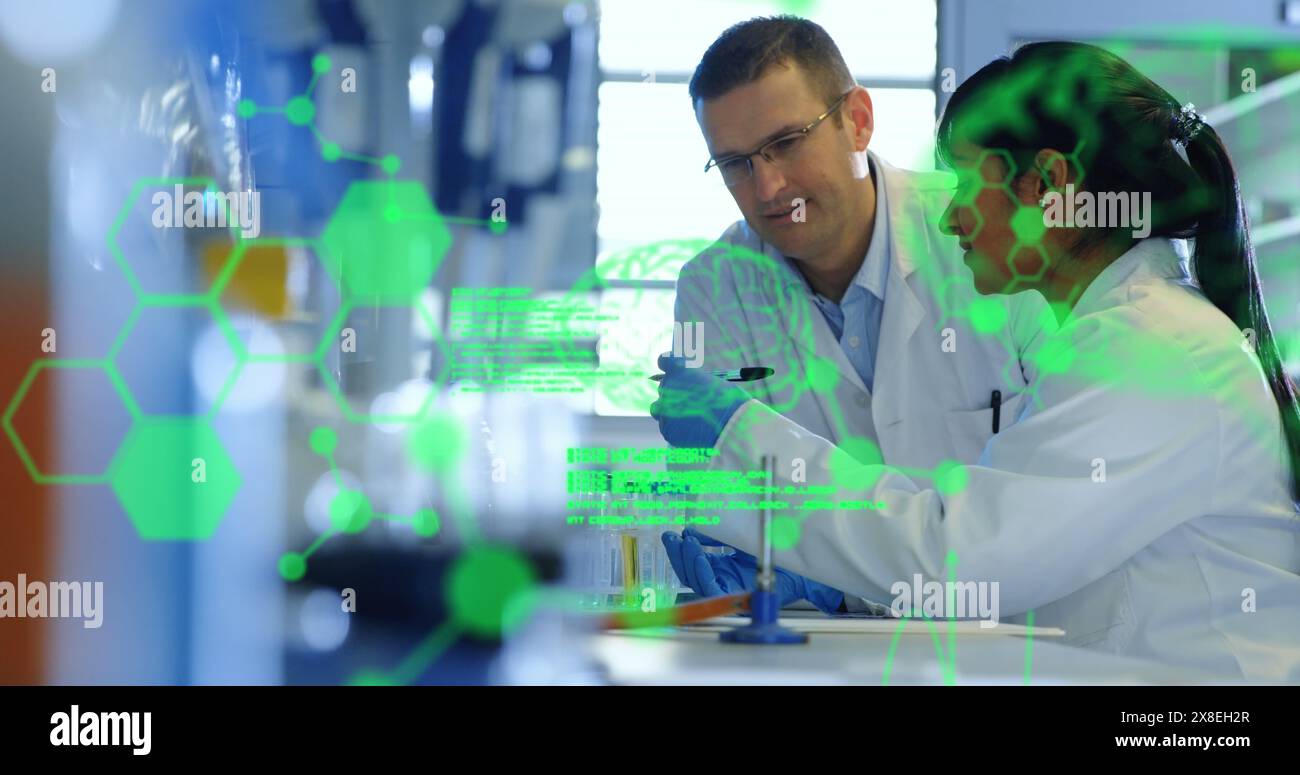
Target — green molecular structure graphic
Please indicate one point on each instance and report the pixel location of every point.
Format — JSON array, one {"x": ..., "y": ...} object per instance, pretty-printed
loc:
[
  {"x": 350, "y": 511},
  {"x": 399, "y": 203},
  {"x": 483, "y": 588},
  {"x": 489, "y": 590},
  {"x": 437, "y": 443},
  {"x": 381, "y": 247},
  {"x": 385, "y": 242}
]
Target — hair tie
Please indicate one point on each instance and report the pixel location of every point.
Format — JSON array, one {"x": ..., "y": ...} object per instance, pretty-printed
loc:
[{"x": 1186, "y": 124}]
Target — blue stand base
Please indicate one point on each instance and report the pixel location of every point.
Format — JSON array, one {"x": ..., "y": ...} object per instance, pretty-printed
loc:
[{"x": 765, "y": 627}]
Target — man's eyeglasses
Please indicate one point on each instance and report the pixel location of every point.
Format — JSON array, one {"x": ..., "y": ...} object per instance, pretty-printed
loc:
[{"x": 738, "y": 168}]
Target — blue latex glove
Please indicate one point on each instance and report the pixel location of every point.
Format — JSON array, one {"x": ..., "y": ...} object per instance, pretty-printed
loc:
[
  {"x": 694, "y": 406},
  {"x": 710, "y": 575}
]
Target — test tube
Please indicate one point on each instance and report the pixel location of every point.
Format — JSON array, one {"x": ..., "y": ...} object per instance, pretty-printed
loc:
[
  {"x": 766, "y": 576},
  {"x": 608, "y": 555}
]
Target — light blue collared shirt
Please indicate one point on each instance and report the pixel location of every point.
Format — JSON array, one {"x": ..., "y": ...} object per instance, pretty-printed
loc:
[{"x": 855, "y": 321}]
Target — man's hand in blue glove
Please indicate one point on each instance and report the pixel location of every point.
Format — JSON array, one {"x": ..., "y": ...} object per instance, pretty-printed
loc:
[
  {"x": 694, "y": 406},
  {"x": 710, "y": 575}
]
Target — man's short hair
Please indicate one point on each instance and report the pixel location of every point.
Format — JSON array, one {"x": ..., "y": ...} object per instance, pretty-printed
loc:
[{"x": 745, "y": 51}]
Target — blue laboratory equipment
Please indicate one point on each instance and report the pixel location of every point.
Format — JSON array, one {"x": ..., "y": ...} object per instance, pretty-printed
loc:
[{"x": 764, "y": 603}]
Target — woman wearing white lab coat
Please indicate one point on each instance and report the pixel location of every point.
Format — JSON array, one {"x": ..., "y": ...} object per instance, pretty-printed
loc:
[{"x": 1144, "y": 499}]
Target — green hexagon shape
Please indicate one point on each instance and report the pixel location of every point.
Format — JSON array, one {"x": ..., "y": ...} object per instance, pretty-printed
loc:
[
  {"x": 174, "y": 478},
  {"x": 384, "y": 242},
  {"x": 218, "y": 315},
  {"x": 20, "y": 447},
  {"x": 1028, "y": 224},
  {"x": 987, "y": 314},
  {"x": 1016, "y": 276},
  {"x": 1007, "y": 161}
]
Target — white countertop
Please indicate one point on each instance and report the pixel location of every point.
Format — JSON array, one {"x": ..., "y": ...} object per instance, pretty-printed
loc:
[{"x": 689, "y": 656}]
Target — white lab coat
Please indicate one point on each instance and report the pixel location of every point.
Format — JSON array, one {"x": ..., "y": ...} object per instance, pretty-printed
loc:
[
  {"x": 934, "y": 374},
  {"x": 1192, "y": 522}
]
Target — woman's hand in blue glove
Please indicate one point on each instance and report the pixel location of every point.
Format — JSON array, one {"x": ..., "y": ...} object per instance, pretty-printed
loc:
[{"x": 710, "y": 575}]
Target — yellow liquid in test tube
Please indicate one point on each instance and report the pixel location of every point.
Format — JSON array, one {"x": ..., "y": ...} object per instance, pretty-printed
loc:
[{"x": 631, "y": 572}]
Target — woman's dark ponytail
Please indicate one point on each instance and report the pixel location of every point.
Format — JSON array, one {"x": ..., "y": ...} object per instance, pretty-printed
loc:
[{"x": 1224, "y": 263}]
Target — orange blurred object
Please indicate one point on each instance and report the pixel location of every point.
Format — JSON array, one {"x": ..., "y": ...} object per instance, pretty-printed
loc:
[{"x": 259, "y": 284}]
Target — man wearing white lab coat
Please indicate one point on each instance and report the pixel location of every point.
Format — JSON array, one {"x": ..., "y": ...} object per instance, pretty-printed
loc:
[
  {"x": 934, "y": 374},
  {"x": 839, "y": 277}
]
